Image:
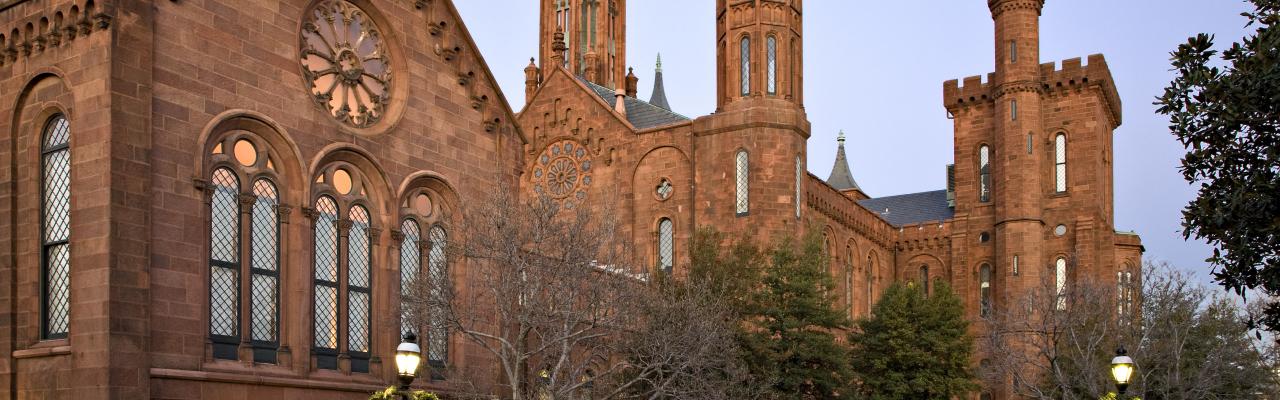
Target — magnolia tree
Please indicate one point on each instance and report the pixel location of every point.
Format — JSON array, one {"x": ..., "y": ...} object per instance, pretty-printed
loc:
[{"x": 548, "y": 294}]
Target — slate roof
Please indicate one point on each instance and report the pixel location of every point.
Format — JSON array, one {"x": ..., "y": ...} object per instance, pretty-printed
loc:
[
  {"x": 841, "y": 178},
  {"x": 640, "y": 113},
  {"x": 912, "y": 208}
]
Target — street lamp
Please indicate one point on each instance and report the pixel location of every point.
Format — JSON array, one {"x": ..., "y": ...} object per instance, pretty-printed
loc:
[
  {"x": 408, "y": 358},
  {"x": 1122, "y": 370}
]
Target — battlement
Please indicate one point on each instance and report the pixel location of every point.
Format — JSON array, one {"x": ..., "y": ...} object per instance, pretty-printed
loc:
[
  {"x": 845, "y": 212},
  {"x": 32, "y": 27},
  {"x": 1056, "y": 81},
  {"x": 923, "y": 236}
]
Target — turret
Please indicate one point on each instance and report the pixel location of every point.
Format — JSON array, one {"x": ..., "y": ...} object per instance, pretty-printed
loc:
[
  {"x": 532, "y": 80},
  {"x": 594, "y": 36},
  {"x": 759, "y": 52}
]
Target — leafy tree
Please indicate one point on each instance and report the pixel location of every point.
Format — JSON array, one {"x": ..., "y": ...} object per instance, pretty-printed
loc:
[
  {"x": 914, "y": 346},
  {"x": 1228, "y": 118}
]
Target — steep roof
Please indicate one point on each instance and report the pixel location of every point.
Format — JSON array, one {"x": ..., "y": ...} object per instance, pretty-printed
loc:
[
  {"x": 659, "y": 96},
  {"x": 640, "y": 113},
  {"x": 841, "y": 178},
  {"x": 908, "y": 209}
]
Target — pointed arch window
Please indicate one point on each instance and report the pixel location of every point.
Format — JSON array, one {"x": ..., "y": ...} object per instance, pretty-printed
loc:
[
  {"x": 1060, "y": 283},
  {"x": 55, "y": 238},
  {"x": 1060, "y": 163},
  {"x": 771, "y": 44},
  {"x": 745, "y": 70},
  {"x": 410, "y": 264},
  {"x": 437, "y": 270},
  {"x": 666, "y": 245},
  {"x": 741, "y": 164},
  {"x": 984, "y": 173},
  {"x": 984, "y": 276}
]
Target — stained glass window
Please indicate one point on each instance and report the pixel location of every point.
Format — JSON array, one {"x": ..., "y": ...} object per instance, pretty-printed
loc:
[
  {"x": 326, "y": 275},
  {"x": 1060, "y": 162},
  {"x": 745, "y": 71},
  {"x": 984, "y": 173},
  {"x": 410, "y": 264},
  {"x": 265, "y": 272},
  {"x": 772, "y": 44},
  {"x": 666, "y": 245},
  {"x": 56, "y": 226},
  {"x": 743, "y": 171},
  {"x": 437, "y": 268},
  {"x": 224, "y": 264}
]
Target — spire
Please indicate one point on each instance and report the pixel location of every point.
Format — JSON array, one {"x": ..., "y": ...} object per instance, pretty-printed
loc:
[
  {"x": 659, "y": 97},
  {"x": 841, "y": 178}
]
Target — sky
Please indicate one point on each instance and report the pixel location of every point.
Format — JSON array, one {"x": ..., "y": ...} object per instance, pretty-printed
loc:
[{"x": 875, "y": 70}]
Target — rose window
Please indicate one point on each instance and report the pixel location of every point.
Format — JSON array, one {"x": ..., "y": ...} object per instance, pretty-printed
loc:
[
  {"x": 345, "y": 60},
  {"x": 563, "y": 171}
]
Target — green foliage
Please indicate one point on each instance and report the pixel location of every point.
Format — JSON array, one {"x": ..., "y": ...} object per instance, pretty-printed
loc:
[
  {"x": 914, "y": 346},
  {"x": 393, "y": 393},
  {"x": 1228, "y": 118}
]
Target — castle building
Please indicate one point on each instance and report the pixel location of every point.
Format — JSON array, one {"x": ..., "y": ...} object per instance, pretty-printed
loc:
[{"x": 220, "y": 199}]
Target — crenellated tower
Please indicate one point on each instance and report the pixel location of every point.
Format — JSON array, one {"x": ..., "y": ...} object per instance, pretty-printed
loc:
[
  {"x": 759, "y": 51},
  {"x": 594, "y": 33}
]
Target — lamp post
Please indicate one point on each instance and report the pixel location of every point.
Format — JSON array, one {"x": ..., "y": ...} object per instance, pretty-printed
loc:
[
  {"x": 1121, "y": 370},
  {"x": 408, "y": 359}
]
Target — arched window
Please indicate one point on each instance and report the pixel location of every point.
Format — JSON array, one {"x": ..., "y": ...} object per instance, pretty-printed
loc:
[
  {"x": 924, "y": 278},
  {"x": 1060, "y": 163},
  {"x": 984, "y": 276},
  {"x": 326, "y": 283},
  {"x": 984, "y": 173},
  {"x": 745, "y": 71},
  {"x": 1125, "y": 290},
  {"x": 358, "y": 285},
  {"x": 743, "y": 171},
  {"x": 666, "y": 245},
  {"x": 848, "y": 279},
  {"x": 55, "y": 238},
  {"x": 264, "y": 298},
  {"x": 410, "y": 264},
  {"x": 224, "y": 264},
  {"x": 771, "y": 45},
  {"x": 1060, "y": 283},
  {"x": 799, "y": 176},
  {"x": 437, "y": 270},
  {"x": 870, "y": 285}
]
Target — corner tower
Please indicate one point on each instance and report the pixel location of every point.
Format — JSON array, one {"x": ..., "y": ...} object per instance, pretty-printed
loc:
[
  {"x": 759, "y": 51},
  {"x": 595, "y": 33}
]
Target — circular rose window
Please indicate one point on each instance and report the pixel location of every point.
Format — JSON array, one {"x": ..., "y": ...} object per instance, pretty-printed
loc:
[
  {"x": 345, "y": 60},
  {"x": 562, "y": 171}
]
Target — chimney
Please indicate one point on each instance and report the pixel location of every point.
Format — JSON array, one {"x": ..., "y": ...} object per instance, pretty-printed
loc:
[
  {"x": 620, "y": 105},
  {"x": 532, "y": 80},
  {"x": 633, "y": 83}
]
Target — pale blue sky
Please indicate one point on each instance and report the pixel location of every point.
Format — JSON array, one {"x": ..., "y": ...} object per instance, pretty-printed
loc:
[{"x": 875, "y": 69}]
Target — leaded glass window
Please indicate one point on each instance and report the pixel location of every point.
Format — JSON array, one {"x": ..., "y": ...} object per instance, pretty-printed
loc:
[
  {"x": 984, "y": 277},
  {"x": 745, "y": 71},
  {"x": 924, "y": 278},
  {"x": 666, "y": 245},
  {"x": 410, "y": 264},
  {"x": 265, "y": 272},
  {"x": 984, "y": 173},
  {"x": 743, "y": 172},
  {"x": 224, "y": 264},
  {"x": 55, "y": 307},
  {"x": 1060, "y": 282},
  {"x": 1060, "y": 162},
  {"x": 437, "y": 270},
  {"x": 326, "y": 275},
  {"x": 358, "y": 261},
  {"x": 772, "y": 45}
]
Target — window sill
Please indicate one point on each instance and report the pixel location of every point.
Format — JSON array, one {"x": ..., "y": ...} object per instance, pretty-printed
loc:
[
  {"x": 243, "y": 376},
  {"x": 48, "y": 348}
]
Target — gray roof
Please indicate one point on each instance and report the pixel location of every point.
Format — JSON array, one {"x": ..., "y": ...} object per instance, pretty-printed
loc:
[
  {"x": 908, "y": 209},
  {"x": 841, "y": 178},
  {"x": 659, "y": 96},
  {"x": 640, "y": 113}
]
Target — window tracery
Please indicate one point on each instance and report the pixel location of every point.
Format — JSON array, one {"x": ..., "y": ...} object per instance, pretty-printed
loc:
[{"x": 345, "y": 60}]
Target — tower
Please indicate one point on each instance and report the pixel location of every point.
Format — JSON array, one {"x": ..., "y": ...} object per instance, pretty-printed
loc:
[
  {"x": 595, "y": 34},
  {"x": 759, "y": 51}
]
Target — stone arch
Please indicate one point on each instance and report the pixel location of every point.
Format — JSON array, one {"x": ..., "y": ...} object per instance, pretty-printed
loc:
[
  {"x": 279, "y": 145},
  {"x": 660, "y": 163},
  {"x": 379, "y": 192}
]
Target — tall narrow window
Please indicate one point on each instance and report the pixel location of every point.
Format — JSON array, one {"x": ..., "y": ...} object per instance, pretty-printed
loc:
[
  {"x": 1060, "y": 162},
  {"x": 1125, "y": 293},
  {"x": 358, "y": 261},
  {"x": 772, "y": 57},
  {"x": 745, "y": 71},
  {"x": 870, "y": 286},
  {"x": 848, "y": 279},
  {"x": 265, "y": 272},
  {"x": 799, "y": 177},
  {"x": 1013, "y": 51},
  {"x": 55, "y": 273},
  {"x": 437, "y": 270},
  {"x": 224, "y": 264},
  {"x": 984, "y": 173},
  {"x": 410, "y": 264},
  {"x": 743, "y": 172},
  {"x": 924, "y": 278},
  {"x": 984, "y": 275},
  {"x": 1013, "y": 109},
  {"x": 666, "y": 245},
  {"x": 1060, "y": 283},
  {"x": 326, "y": 283}
]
